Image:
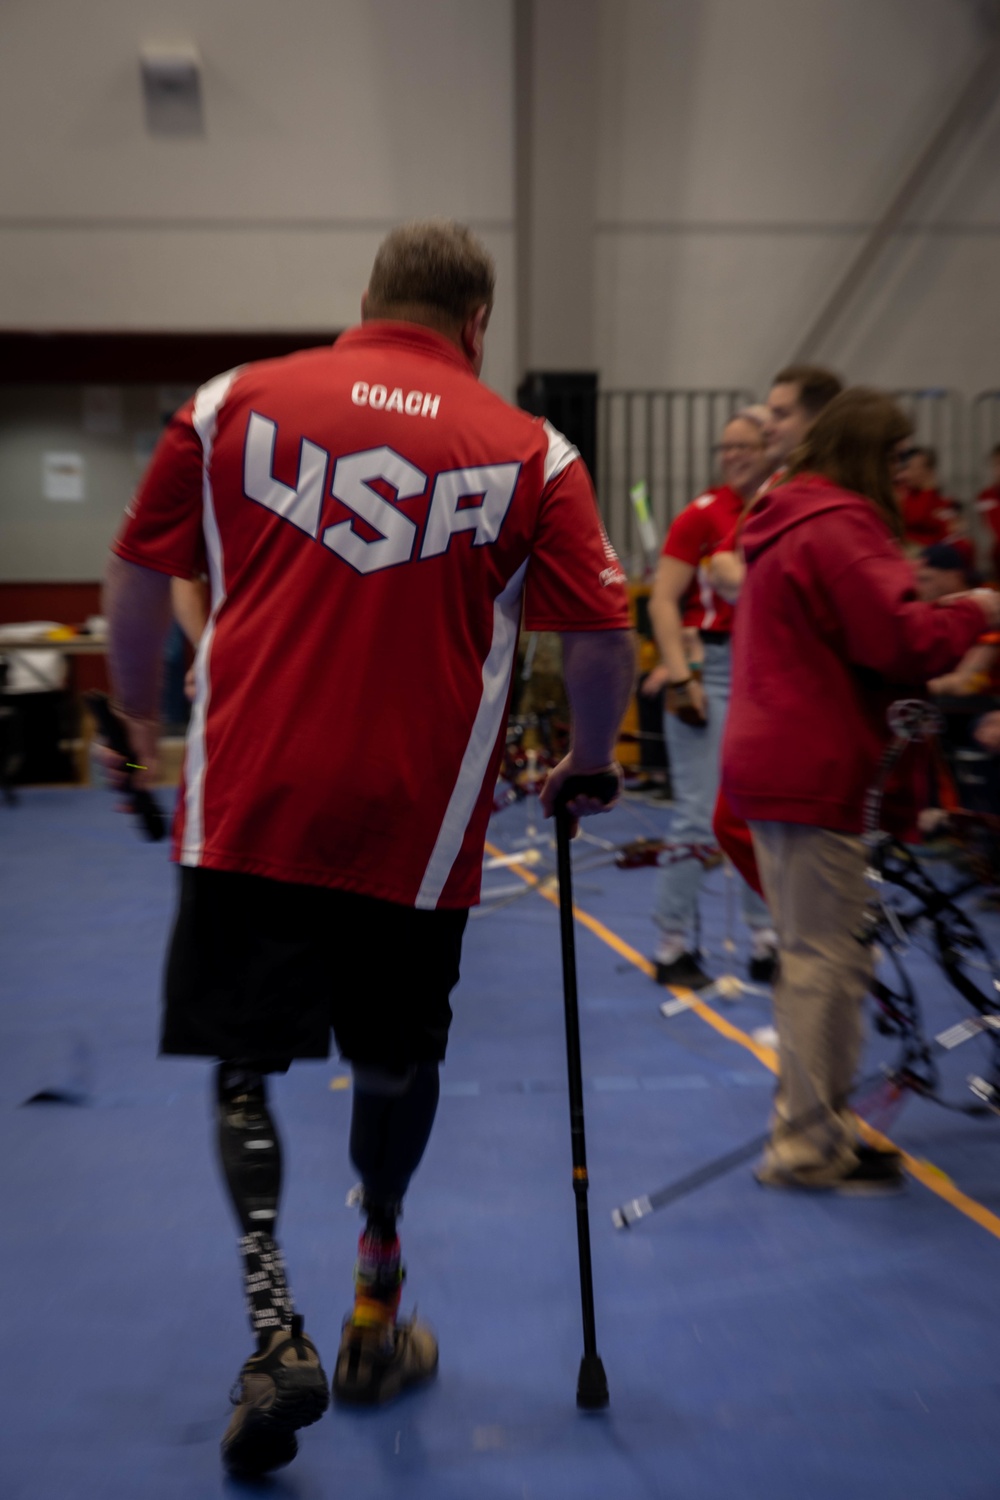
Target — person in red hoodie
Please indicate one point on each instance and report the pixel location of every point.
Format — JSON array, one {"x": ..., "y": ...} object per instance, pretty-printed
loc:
[{"x": 829, "y": 631}]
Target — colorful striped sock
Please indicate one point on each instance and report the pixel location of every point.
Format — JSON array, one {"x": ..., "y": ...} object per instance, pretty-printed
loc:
[{"x": 378, "y": 1280}]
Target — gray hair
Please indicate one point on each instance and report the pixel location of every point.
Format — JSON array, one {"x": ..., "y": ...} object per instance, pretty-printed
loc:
[{"x": 757, "y": 413}]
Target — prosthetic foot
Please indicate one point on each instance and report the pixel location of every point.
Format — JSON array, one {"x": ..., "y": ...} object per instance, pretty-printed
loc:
[{"x": 280, "y": 1389}]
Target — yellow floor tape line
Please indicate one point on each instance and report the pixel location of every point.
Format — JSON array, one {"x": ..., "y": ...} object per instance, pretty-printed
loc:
[{"x": 925, "y": 1172}]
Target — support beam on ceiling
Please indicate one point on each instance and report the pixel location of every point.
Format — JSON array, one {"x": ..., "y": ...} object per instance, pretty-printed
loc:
[{"x": 978, "y": 90}]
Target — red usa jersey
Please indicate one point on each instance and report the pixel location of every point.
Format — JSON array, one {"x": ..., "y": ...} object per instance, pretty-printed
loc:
[
  {"x": 703, "y": 527},
  {"x": 371, "y": 518}
]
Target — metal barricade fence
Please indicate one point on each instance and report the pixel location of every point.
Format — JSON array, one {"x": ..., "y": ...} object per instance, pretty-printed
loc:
[
  {"x": 667, "y": 437},
  {"x": 664, "y": 438}
]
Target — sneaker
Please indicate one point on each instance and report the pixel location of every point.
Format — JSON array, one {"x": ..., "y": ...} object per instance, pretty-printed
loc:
[
  {"x": 875, "y": 1174},
  {"x": 864, "y": 1152},
  {"x": 376, "y": 1363},
  {"x": 280, "y": 1388},
  {"x": 683, "y": 971}
]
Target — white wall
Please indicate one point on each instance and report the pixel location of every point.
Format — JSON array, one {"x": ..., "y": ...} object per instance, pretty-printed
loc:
[
  {"x": 745, "y": 147},
  {"x": 325, "y": 122},
  {"x": 44, "y": 540},
  {"x": 559, "y": 62},
  {"x": 701, "y": 173}
]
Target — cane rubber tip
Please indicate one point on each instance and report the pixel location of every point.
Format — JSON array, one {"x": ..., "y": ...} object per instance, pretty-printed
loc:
[{"x": 592, "y": 1386}]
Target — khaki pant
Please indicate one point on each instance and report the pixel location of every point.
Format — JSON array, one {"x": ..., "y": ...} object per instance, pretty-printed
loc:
[{"x": 815, "y": 887}]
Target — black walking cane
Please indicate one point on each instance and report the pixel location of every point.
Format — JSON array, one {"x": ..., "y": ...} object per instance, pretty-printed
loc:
[{"x": 592, "y": 1385}]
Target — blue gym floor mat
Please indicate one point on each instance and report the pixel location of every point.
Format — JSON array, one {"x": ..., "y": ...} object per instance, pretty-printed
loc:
[{"x": 756, "y": 1344}]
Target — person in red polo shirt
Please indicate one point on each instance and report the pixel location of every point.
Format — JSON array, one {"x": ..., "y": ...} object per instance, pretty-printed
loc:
[
  {"x": 829, "y": 630},
  {"x": 692, "y": 624},
  {"x": 374, "y": 520}
]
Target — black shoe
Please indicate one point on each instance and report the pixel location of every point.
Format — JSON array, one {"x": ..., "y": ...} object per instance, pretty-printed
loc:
[
  {"x": 764, "y": 970},
  {"x": 684, "y": 971},
  {"x": 278, "y": 1390}
]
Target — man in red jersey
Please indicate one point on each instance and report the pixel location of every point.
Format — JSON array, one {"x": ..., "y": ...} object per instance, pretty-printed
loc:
[
  {"x": 371, "y": 518},
  {"x": 797, "y": 396},
  {"x": 928, "y": 515}
]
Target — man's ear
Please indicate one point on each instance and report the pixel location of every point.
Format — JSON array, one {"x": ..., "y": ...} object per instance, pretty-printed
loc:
[{"x": 474, "y": 334}]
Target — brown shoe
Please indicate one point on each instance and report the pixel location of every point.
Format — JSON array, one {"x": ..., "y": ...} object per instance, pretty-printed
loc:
[
  {"x": 875, "y": 1174},
  {"x": 279, "y": 1389},
  {"x": 375, "y": 1364}
]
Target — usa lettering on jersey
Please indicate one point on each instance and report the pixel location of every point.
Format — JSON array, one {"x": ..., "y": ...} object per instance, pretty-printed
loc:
[{"x": 354, "y": 475}]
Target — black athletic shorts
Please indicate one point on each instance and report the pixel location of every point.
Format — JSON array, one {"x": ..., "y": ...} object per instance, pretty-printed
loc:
[{"x": 264, "y": 969}]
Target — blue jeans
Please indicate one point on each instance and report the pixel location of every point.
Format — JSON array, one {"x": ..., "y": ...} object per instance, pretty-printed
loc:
[{"x": 694, "y": 775}]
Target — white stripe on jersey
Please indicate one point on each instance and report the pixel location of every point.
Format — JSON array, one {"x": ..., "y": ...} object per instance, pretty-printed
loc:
[
  {"x": 486, "y": 727},
  {"x": 560, "y": 452},
  {"x": 207, "y": 402}
]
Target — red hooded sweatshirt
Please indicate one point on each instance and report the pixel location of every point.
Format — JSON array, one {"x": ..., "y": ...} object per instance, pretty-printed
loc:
[{"x": 828, "y": 632}]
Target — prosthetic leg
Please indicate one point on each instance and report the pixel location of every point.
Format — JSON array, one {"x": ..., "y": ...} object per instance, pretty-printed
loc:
[
  {"x": 281, "y": 1387},
  {"x": 391, "y": 1123},
  {"x": 250, "y": 1153}
]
